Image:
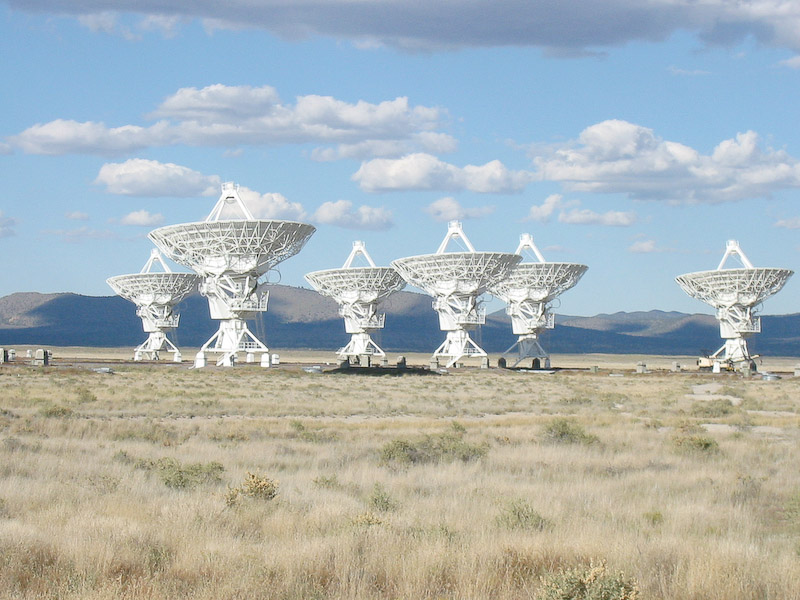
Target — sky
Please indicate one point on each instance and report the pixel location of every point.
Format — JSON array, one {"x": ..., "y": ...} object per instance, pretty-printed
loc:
[{"x": 633, "y": 136}]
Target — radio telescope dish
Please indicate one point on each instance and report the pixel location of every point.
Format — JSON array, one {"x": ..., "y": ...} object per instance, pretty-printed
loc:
[
  {"x": 736, "y": 294},
  {"x": 456, "y": 280},
  {"x": 155, "y": 295},
  {"x": 358, "y": 291},
  {"x": 529, "y": 291},
  {"x": 232, "y": 255}
]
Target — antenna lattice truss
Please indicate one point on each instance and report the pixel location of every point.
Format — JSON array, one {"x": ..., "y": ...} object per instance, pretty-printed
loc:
[
  {"x": 155, "y": 295},
  {"x": 736, "y": 295},
  {"x": 456, "y": 280},
  {"x": 232, "y": 255},
  {"x": 529, "y": 291},
  {"x": 359, "y": 292}
]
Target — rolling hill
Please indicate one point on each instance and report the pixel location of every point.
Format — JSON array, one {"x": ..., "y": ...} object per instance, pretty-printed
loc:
[{"x": 301, "y": 318}]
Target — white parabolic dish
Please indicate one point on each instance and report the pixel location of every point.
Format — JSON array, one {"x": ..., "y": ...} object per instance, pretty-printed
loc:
[
  {"x": 154, "y": 288},
  {"x": 542, "y": 282},
  {"x": 232, "y": 246},
  {"x": 455, "y": 272},
  {"x": 727, "y": 287},
  {"x": 357, "y": 284}
]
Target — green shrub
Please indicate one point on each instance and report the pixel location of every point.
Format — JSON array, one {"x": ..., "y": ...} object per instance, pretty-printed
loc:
[
  {"x": 444, "y": 447},
  {"x": 56, "y": 411},
  {"x": 695, "y": 444},
  {"x": 518, "y": 514},
  {"x": 380, "y": 500},
  {"x": 255, "y": 486},
  {"x": 176, "y": 475},
  {"x": 592, "y": 582},
  {"x": 565, "y": 431}
]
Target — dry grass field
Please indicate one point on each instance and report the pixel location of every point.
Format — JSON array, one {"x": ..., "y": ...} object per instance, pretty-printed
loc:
[{"x": 160, "y": 481}]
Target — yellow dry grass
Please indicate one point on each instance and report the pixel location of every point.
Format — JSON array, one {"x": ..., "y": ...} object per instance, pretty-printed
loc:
[{"x": 119, "y": 486}]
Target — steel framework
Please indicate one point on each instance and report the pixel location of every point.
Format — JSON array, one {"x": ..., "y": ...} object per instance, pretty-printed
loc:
[
  {"x": 456, "y": 280},
  {"x": 736, "y": 294},
  {"x": 529, "y": 291},
  {"x": 155, "y": 295},
  {"x": 232, "y": 256},
  {"x": 358, "y": 291}
]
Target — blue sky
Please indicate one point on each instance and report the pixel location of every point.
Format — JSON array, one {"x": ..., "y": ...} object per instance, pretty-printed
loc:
[{"x": 635, "y": 137}]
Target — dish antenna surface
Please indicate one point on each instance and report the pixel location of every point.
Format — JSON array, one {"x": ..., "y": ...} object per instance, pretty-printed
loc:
[
  {"x": 736, "y": 294},
  {"x": 529, "y": 291},
  {"x": 358, "y": 291},
  {"x": 155, "y": 295},
  {"x": 456, "y": 280},
  {"x": 232, "y": 255}
]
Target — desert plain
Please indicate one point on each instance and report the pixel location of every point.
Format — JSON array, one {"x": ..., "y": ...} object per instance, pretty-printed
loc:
[{"x": 163, "y": 481}]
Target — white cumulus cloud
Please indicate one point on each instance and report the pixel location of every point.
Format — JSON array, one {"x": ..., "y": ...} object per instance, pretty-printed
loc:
[
  {"x": 141, "y": 177},
  {"x": 342, "y": 213},
  {"x": 449, "y": 209},
  {"x": 271, "y": 205},
  {"x": 585, "y": 216},
  {"x": 421, "y": 171},
  {"x": 542, "y": 212},
  {"x": 643, "y": 247},
  {"x": 77, "y": 215},
  {"x": 226, "y": 116},
  {"x": 620, "y": 157},
  {"x": 142, "y": 218}
]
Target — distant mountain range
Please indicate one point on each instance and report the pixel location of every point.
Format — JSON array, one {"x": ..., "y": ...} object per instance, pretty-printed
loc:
[{"x": 301, "y": 318}]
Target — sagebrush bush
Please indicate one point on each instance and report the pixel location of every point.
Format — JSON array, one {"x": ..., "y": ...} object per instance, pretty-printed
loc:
[
  {"x": 255, "y": 486},
  {"x": 444, "y": 447},
  {"x": 176, "y": 475},
  {"x": 565, "y": 431},
  {"x": 518, "y": 514},
  {"x": 699, "y": 445},
  {"x": 588, "y": 582},
  {"x": 380, "y": 500}
]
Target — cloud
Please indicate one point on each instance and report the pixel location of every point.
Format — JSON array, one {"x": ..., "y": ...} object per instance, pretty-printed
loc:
[
  {"x": 643, "y": 247},
  {"x": 77, "y": 215},
  {"x": 342, "y": 214},
  {"x": 544, "y": 211},
  {"x": 422, "y": 171},
  {"x": 142, "y": 218},
  {"x": 792, "y": 63},
  {"x": 791, "y": 223},
  {"x": 271, "y": 205},
  {"x": 428, "y": 141},
  {"x": 7, "y": 225},
  {"x": 448, "y": 209},
  {"x": 554, "y": 26},
  {"x": 571, "y": 214},
  {"x": 584, "y": 216},
  {"x": 687, "y": 72},
  {"x": 140, "y": 177},
  {"x": 220, "y": 115},
  {"x": 620, "y": 157}
]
